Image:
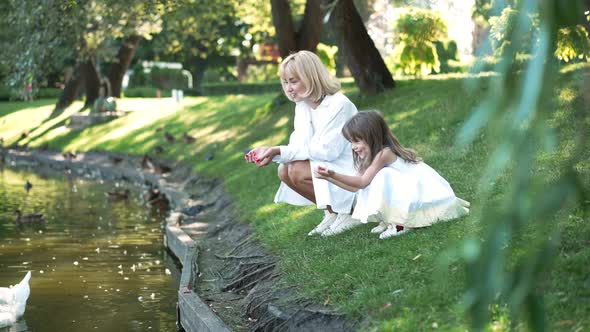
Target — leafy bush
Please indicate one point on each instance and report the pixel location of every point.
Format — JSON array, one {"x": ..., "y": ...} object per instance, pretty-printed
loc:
[
  {"x": 146, "y": 92},
  {"x": 417, "y": 30},
  {"x": 446, "y": 52},
  {"x": 327, "y": 54},
  {"x": 166, "y": 78},
  {"x": 163, "y": 78},
  {"x": 238, "y": 88},
  {"x": 572, "y": 43},
  {"x": 48, "y": 93},
  {"x": 218, "y": 74},
  {"x": 261, "y": 73},
  {"x": 4, "y": 93},
  {"x": 505, "y": 25}
]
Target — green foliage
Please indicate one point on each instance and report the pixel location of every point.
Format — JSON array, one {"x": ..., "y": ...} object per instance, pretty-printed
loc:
[
  {"x": 327, "y": 54},
  {"x": 46, "y": 34},
  {"x": 146, "y": 92},
  {"x": 573, "y": 43},
  {"x": 416, "y": 31},
  {"x": 213, "y": 89},
  {"x": 572, "y": 40},
  {"x": 516, "y": 113},
  {"x": 167, "y": 78},
  {"x": 506, "y": 25},
  {"x": 217, "y": 74},
  {"x": 203, "y": 34},
  {"x": 446, "y": 52},
  {"x": 48, "y": 93},
  {"x": 5, "y": 93},
  {"x": 262, "y": 73}
]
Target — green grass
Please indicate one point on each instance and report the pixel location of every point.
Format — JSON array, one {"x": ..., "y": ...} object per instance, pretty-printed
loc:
[{"x": 398, "y": 284}]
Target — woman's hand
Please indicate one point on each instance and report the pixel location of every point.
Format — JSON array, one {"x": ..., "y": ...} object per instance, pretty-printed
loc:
[
  {"x": 322, "y": 172},
  {"x": 262, "y": 155},
  {"x": 266, "y": 156}
]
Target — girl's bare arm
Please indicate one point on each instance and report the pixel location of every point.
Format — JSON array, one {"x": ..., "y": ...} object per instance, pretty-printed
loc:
[{"x": 354, "y": 183}]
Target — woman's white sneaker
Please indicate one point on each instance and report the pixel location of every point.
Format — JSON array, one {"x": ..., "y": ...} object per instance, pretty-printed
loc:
[
  {"x": 329, "y": 219},
  {"x": 392, "y": 231}
]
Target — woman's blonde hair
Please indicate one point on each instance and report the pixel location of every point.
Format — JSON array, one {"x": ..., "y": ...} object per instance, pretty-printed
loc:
[
  {"x": 307, "y": 67},
  {"x": 370, "y": 127}
]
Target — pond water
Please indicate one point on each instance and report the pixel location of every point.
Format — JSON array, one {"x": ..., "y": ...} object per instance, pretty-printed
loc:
[{"x": 97, "y": 264}]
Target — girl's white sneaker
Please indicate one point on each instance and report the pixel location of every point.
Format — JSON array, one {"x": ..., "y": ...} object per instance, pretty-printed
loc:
[
  {"x": 379, "y": 228},
  {"x": 392, "y": 231},
  {"x": 328, "y": 220}
]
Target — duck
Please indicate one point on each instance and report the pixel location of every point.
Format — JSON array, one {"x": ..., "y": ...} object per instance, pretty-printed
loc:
[
  {"x": 169, "y": 137},
  {"x": 13, "y": 301},
  {"x": 158, "y": 149},
  {"x": 188, "y": 139},
  {"x": 69, "y": 155},
  {"x": 162, "y": 168},
  {"x": 28, "y": 185},
  {"x": 115, "y": 160},
  {"x": 33, "y": 218},
  {"x": 146, "y": 162},
  {"x": 118, "y": 194}
]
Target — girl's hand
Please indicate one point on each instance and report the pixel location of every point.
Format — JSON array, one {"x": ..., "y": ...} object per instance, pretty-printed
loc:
[{"x": 322, "y": 172}]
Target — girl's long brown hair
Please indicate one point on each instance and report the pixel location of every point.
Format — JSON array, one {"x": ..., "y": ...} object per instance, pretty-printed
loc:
[{"x": 370, "y": 126}]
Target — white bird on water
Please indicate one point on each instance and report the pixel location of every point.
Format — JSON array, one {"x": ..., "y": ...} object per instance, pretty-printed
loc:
[{"x": 13, "y": 301}]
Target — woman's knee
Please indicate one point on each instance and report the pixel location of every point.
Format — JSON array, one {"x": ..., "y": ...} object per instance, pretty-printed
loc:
[
  {"x": 283, "y": 173},
  {"x": 299, "y": 171}
]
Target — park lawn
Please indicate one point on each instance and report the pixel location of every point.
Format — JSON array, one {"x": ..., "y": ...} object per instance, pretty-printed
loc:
[{"x": 398, "y": 284}]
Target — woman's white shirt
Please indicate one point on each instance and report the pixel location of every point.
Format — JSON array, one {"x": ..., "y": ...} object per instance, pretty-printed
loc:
[{"x": 317, "y": 137}]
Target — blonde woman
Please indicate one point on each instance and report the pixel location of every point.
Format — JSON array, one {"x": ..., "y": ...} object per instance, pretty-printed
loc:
[{"x": 320, "y": 113}]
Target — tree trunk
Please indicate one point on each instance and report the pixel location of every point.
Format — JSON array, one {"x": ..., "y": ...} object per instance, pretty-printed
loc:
[
  {"x": 308, "y": 35},
  {"x": 585, "y": 22},
  {"x": 70, "y": 91},
  {"x": 283, "y": 22},
  {"x": 361, "y": 56},
  {"x": 124, "y": 57},
  {"x": 92, "y": 81},
  {"x": 197, "y": 66}
]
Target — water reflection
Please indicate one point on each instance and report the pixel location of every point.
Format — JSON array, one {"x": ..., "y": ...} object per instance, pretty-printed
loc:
[{"x": 98, "y": 264}]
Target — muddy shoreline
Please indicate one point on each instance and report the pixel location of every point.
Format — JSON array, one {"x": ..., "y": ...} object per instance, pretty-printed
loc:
[{"x": 234, "y": 275}]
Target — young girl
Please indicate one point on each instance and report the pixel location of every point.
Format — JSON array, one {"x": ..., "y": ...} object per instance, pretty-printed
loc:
[{"x": 395, "y": 188}]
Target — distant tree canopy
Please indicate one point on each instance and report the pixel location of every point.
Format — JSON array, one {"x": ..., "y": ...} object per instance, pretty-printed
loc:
[
  {"x": 50, "y": 34},
  {"x": 506, "y": 16},
  {"x": 98, "y": 39},
  {"x": 417, "y": 30}
]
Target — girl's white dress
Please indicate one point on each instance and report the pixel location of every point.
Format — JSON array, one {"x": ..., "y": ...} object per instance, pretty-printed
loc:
[
  {"x": 318, "y": 138},
  {"x": 409, "y": 195}
]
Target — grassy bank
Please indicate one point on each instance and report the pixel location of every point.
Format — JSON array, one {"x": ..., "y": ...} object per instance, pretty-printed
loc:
[{"x": 394, "y": 284}]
